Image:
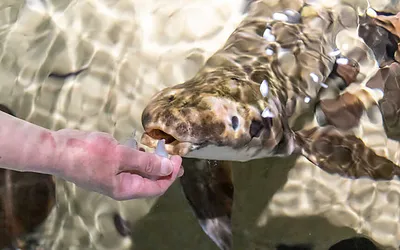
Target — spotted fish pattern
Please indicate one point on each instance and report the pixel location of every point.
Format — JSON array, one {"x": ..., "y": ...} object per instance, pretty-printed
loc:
[{"x": 278, "y": 87}]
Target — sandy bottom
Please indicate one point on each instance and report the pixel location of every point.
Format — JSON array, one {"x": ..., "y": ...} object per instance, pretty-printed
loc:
[{"x": 129, "y": 50}]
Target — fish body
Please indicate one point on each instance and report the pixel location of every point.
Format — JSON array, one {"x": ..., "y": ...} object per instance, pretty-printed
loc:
[
  {"x": 218, "y": 114},
  {"x": 279, "y": 86}
]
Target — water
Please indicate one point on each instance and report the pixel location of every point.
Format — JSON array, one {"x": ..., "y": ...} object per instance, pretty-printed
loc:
[{"x": 92, "y": 65}]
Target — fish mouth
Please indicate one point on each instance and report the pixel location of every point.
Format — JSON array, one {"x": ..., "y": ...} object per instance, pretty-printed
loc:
[{"x": 173, "y": 145}]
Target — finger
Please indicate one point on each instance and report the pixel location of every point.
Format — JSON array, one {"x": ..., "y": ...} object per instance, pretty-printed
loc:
[
  {"x": 144, "y": 163},
  {"x": 177, "y": 161},
  {"x": 181, "y": 172},
  {"x": 132, "y": 186}
]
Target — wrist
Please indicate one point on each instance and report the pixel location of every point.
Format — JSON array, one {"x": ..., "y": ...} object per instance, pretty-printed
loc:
[
  {"x": 43, "y": 154},
  {"x": 75, "y": 153},
  {"x": 63, "y": 156}
]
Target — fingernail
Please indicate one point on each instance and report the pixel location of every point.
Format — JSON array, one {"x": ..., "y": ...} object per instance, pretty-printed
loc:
[
  {"x": 131, "y": 142},
  {"x": 160, "y": 149},
  {"x": 166, "y": 167},
  {"x": 181, "y": 171}
]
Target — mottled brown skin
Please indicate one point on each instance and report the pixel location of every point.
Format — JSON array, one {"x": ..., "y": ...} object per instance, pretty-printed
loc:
[
  {"x": 26, "y": 200},
  {"x": 392, "y": 24},
  {"x": 189, "y": 112},
  {"x": 348, "y": 72},
  {"x": 388, "y": 80},
  {"x": 344, "y": 112},
  {"x": 201, "y": 112},
  {"x": 340, "y": 152},
  {"x": 381, "y": 41}
]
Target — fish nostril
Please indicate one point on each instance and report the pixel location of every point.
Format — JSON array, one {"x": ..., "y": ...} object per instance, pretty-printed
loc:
[
  {"x": 235, "y": 122},
  {"x": 267, "y": 122},
  {"x": 255, "y": 128}
]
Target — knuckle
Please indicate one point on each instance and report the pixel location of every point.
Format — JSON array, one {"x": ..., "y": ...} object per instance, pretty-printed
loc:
[{"x": 149, "y": 167}]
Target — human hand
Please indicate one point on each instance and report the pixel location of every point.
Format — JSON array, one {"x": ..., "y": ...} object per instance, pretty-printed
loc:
[{"x": 96, "y": 161}]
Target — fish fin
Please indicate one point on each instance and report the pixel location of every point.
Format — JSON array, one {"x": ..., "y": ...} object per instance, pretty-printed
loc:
[
  {"x": 340, "y": 152},
  {"x": 208, "y": 186}
]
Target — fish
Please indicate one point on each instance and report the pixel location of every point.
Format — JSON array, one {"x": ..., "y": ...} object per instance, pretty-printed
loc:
[{"x": 274, "y": 89}]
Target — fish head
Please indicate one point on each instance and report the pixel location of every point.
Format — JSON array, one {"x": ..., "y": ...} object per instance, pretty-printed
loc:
[{"x": 214, "y": 117}]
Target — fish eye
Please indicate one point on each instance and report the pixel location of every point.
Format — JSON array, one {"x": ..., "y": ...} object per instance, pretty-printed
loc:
[
  {"x": 171, "y": 98},
  {"x": 235, "y": 122},
  {"x": 255, "y": 128}
]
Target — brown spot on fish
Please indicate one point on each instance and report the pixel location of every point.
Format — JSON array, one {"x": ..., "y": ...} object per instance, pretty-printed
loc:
[
  {"x": 348, "y": 72},
  {"x": 248, "y": 69},
  {"x": 344, "y": 112},
  {"x": 168, "y": 118},
  {"x": 182, "y": 128}
]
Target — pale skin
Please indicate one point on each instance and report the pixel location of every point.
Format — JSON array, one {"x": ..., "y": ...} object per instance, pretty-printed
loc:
[{"x": 92, "y": 160}]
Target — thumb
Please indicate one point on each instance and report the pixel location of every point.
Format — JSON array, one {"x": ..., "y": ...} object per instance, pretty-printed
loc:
[
  {"x": 177, "y": 161},
  {"x": 144, "y": 163}
]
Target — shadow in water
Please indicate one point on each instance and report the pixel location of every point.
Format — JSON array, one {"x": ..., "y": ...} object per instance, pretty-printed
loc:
[{"x": 171, "y": 224}]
